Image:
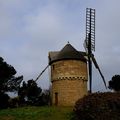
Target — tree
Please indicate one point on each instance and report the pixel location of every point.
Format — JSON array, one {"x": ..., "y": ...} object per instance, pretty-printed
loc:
[
  {"x": 45, "y": 97},
  {"x": 8, "y": 81},
  {"x": 22, "y": 92},
  {"x": 115, "y": 83},
  {"x": 31, "y": 91}
]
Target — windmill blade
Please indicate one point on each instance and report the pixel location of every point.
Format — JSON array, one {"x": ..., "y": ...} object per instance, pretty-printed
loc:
[
  {"x": 42, "y": 73},
  {"x": 97, "y": 66}
]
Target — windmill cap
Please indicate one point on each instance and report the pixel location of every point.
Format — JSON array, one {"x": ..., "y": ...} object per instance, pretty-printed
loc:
[{"x": 68, "y": 52}]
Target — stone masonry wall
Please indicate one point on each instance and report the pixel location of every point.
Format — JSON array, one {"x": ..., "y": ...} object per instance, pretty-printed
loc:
[{"x": 69, "y": 81}]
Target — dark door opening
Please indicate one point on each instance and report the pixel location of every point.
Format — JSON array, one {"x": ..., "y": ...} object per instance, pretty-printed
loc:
[{"x": 56, "y": 98}]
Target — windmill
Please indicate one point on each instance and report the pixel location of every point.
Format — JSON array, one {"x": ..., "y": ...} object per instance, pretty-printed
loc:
[{"x": 89, "y": 45}]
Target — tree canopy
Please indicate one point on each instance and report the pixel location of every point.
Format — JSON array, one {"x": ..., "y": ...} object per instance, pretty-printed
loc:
[
  {"x": 29, "y": 90},
  {"x": 8, "y": 81},
  {"x": 28, "y": 93},
  {"x": 115, "y": 83},
  {"x": 31, "y": 94}
]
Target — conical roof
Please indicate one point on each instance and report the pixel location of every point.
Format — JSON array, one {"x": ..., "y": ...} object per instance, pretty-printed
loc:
[{"x": 68, "y": 53}]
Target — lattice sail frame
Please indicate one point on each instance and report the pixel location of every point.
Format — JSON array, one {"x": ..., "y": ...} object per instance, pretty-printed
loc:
[{"x": 90, "y": 28}]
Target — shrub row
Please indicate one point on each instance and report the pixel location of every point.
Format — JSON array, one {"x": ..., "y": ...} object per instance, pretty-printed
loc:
[{"x": 98, "y": 106}]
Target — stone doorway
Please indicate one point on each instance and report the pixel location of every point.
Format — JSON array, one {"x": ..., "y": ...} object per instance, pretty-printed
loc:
[{"x": 56, "y": 98}]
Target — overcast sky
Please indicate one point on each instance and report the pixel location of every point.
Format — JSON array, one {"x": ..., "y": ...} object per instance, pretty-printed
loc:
[{"x": 29, "y": 29}]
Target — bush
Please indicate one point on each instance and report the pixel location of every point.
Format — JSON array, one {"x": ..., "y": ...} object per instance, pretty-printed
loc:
[
  {"x": 98, "y": 106},
  {"x": 14, "y": 102},
  {"x": 114, "y": 84},
  {"x": 4, "y": 98}
]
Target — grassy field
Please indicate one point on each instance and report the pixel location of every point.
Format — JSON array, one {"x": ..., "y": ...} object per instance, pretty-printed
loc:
[{"x": 37, "y": 113}]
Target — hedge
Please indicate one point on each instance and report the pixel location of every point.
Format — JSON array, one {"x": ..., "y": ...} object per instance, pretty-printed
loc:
[{"x": 98, "y": 106}]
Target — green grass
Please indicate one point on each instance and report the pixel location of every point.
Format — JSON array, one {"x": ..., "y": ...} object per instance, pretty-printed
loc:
[{"x": 37, "y": 113}]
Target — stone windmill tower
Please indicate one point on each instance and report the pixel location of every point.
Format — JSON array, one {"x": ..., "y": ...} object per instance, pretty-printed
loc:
[{"x": 68, "y": 75}]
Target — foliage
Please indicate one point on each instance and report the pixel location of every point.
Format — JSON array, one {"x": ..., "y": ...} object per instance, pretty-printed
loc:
[
  {"x": 30, "y": 94},
  {"x": 43, "y": 99},
  {"x": 115, "y": 83},
  {"x": 36, "y": 113},
  {"x": 33, "y": 91},
  {"x": 7, "y": 79},
  {"x": 14, "y": 102},
  {"x": 4, "y": 100},
  {"x": 22, "y": 93},
  {"x": 30, "y": 91},
  {"x": 98, "y": 106},
  {"x": 14, "y": 83},
  {"x": 8, "y": 82},
  {"x": 46, "y": 97}
]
